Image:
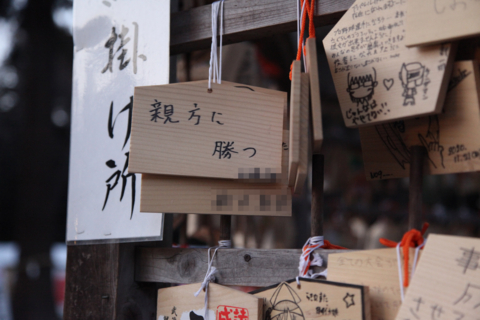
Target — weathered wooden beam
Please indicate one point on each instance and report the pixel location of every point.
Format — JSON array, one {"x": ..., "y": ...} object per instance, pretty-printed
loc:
[
  {"x": 246, "y": 20},
  {"x": 245, "y": 267}
]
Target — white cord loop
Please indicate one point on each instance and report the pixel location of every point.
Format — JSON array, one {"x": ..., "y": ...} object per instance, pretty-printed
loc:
[
  {"x": 417, "y": 250},
  {"x": 299, "y": 22},
  {"x": 308, "y": 249},
  {"x": 211, "y": 271},
  {"x": 400, "y": 276},
  {"x": 215, "y": 69},
  {"x": 414, "y": 267}
]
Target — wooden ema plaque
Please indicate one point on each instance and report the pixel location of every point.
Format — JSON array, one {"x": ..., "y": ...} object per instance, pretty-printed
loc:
[
  {"x": 295, "y": 126},
  {"x": 217, "y": 196},
  {"x": 376, "y": 77},
  {"x": 249, "y": 196},
  {"x": 302, "y": 168},
  {"x": 316, "y": 106},
  {"x": 451, "y": 138},
  {"x": 441, "y": 21},
  {"x": 315, "y": 299},
  {"x": 377, "y": 269},
  {"x": 446, "y": 284},
  {"x": 179, "y": 303},
  {"x": 182, "y": 129}
]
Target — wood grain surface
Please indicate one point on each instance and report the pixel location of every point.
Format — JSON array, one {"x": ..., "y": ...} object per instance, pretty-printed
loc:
[
  {"x": 446, "y": 282},
  {"x": 243, "y": 267},
  {"x": 315, "y": 102},
  {"x": 295, "y": 112},
  {"x": 377, "y": 78},
  {"x": 441, "y": 21},
  {"x": 179, "y": 303},
  {"x": 215, "y": 135},
  {"x": 451, "y": 138},
  {"x": 246, "y": 20},
  {"x": 314, "y": 299},
  {"x": 302, "y": 168}
]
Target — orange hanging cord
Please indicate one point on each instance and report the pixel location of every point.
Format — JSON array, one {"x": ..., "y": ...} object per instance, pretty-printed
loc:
[
  {"x": 411, "y": 239},
  {"x": 309, "y": 7}
]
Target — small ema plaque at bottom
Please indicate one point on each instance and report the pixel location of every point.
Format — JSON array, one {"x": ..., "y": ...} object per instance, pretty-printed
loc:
[
  {"x": 179, "y": 303},
  {"x": 314, "y": 299}
]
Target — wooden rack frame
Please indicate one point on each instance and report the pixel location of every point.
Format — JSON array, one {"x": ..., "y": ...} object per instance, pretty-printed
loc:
[{"x": 120, "y": 281}]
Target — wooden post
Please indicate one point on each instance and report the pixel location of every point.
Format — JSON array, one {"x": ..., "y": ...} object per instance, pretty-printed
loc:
[
  {"x": 100, "y": 281},
  {"x": 415, "y": 216},
  {"x": 317, "y": 195},
  {"x": 225, "y": 227}
]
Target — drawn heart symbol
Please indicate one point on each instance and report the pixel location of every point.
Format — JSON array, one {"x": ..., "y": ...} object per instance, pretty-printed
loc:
[{"x": 388, "y": 83}]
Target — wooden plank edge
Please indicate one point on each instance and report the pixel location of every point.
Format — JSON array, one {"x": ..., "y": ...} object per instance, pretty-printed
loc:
[
  {"x": 190, "y": 30},
  {"x": 247, "y": 267}
]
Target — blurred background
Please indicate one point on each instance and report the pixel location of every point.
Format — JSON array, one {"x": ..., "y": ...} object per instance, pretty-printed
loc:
[{"x": 36, "y": 54}]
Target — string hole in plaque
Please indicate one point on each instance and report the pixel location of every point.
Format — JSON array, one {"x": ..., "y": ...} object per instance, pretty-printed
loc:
[{"x": 209, "y": 90}]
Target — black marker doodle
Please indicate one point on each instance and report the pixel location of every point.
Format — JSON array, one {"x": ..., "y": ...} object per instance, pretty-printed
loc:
[
  {"x": 245, "y": 87},
  {"x": 455, "y": 80},
  {"x": 287, "y": 309},
  {"x": 431, "y": 141},
  {"x": 194, "y": 316},
  {"x": 441, "y": 5},
  {"x": 348, "y": 299},
  {"x": 470, "y": 297},
  {"x": 388, "y": 83},
  {"x": 412, "y": 76},
  {"x": 361, "y": 88},
  {"x": 469, "y": 260},
  {"x": 213, "y": 117},
  {"x": 111, "y": 164},
  {"x": 110, "y": 46},
  {"x": 157, "y": 108},
  {"x": 224, "y": 149},
  {"x": 389, "y": 133},
  {"x": 195, "y": 115},
  {"x": 437, "y": 311},
  {"x": 168, "y": 112},
  {"x": 419, "y": 302},
  {"x": 111, "y": 122},
  {"x": 254, "y": 151}
]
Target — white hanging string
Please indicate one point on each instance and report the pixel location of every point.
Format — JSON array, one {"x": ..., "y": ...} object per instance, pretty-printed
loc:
[
  {"x": 211, "y": 271},
  {"x": 417, "y": 250},
  {"x": 414, "y": 267},
  {"x": 215, "y": 69},
  {"x": 310, "y": 246},
  {"x": 400, "y": 277}
]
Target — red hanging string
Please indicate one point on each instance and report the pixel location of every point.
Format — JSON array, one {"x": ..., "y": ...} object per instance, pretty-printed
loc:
[
  {"x": 309, "y": 8},
  {"x": 411, "y": 239}
]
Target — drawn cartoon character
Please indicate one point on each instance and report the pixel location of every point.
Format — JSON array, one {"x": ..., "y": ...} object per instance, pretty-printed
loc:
[
  {"x": 392, "y": 136},
  {"x": 412, "y": 76},
  {"x": 361, "y": 88},
  {"x": 285, "y": 304}
]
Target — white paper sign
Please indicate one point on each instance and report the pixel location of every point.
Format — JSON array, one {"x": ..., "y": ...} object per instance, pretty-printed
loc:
[{"x": 118, "y": 45}]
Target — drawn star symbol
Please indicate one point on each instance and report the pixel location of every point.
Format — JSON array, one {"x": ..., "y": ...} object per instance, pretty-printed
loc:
[{"x": 349, "y": 300}]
